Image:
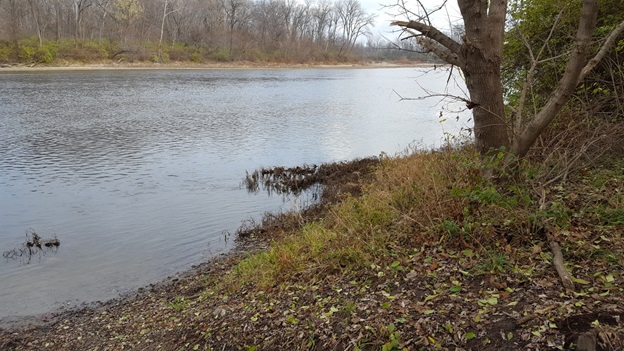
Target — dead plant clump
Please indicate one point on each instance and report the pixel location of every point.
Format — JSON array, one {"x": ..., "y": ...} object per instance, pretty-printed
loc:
[
  {"x": 295, "y": 180},
  {"x": 329, "y": 183},
  {"x": 33, "y": 246}
]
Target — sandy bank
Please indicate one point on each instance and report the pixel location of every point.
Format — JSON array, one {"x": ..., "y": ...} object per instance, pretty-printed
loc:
[{"x": 6, "y": 68}]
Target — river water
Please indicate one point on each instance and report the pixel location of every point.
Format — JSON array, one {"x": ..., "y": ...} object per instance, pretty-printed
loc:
[{"x": 138, "y": 172}]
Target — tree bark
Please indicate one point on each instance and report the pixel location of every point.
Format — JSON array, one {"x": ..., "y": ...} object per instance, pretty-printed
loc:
[
  {"x": 483, "y": 79},
  {"x": 481, "y": 55}
]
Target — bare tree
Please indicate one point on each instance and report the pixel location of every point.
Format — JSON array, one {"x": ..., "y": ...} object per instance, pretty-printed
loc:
[
  {"x": 13, "y": 12},
  {"x": 36, "y": 14},
  {"x": 354, "y": 21},
  {"x": 102, "y": 14},
  {"x": 79, "y": 7},
  {"x": 321, "y": 14},
  {"x": 235, "y": 12},
  {"x": 166, "y": 12},
  {"x": 125, "y": 13},
  {"x": 479, "y": 55}
]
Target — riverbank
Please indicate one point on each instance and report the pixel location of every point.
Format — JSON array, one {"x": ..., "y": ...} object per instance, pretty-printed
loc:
[
  {"x": 423, "y": 254},
  {"x": 112, "y": 65},
  {"x": 391, "y": 266}
]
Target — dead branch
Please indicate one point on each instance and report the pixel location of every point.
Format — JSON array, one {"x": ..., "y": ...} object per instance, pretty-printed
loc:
[
  {"x": 432, "y": 95},
  {"x": 535, "y": 314},
  {"x": 566, "y": 278},
  {"x": 431, "y": 33}
]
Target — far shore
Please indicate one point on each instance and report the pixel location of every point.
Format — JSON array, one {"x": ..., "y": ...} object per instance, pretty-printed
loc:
[{"x": 73, "y": 66}]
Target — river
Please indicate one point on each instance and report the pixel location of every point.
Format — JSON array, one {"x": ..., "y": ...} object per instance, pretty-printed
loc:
[{"x": 138, "y": 172}]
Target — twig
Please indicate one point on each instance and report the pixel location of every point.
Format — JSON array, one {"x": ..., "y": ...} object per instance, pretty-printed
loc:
[{"x": 534, "y": 315}]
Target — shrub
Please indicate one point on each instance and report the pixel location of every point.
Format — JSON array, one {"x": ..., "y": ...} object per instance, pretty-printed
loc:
[
  {"x": 180, "y": 52},
  {"x": 42, "y": 55},
  {"x": 220, "y": 56},
  {"x": 83, "y": 51},
  {"x": 197, "y": 57}
]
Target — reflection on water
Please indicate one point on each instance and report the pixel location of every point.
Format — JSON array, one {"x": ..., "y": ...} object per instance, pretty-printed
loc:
[{"x": 138, "y": 172}]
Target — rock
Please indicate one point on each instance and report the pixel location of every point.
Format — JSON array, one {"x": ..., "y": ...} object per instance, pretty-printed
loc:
[{"x": 586, "y": 342}]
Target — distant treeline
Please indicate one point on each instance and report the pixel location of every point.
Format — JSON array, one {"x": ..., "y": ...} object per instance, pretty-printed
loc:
[{"x": 45, "y": 31}]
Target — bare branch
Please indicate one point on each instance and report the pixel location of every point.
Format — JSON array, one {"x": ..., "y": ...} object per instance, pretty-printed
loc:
[
  {"x": 567, "y": 83},
  {"x": 426, "y": 13},
  {"x": 518, "y": 121},
  {"x": 439, "y": 50},
  {"x": 432, "y": 95},
  {"x": 433, "y": 34},
  {"x": 603, "y": 50}
]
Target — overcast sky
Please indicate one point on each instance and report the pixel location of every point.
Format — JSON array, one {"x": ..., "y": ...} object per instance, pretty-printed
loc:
[{"x": 385, "y": 15}]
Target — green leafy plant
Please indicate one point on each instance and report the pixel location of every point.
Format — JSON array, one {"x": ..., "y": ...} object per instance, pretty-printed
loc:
[{"x": 179, "y": 303}]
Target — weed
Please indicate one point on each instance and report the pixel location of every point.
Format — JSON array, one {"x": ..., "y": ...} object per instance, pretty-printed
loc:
[
  {"x": 179, "y": 304},
  {"x": 349, "y": 307},
  {"x": 494, "y": 262},
  {"x": 394, "y": 343},
  {"x": 612, "y": 216}
]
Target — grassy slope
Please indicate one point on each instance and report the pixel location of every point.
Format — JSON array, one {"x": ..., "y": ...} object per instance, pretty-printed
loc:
[{"x": 429, "y": 256}]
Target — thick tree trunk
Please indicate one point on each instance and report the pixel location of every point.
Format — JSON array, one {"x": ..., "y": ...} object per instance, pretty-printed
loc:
[
  {"x": 483, "y": 79},
  {"x": 480, "y": 59}
]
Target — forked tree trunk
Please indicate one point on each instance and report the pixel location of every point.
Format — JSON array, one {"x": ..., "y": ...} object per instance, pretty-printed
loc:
[{"x": 480, "y": 57}]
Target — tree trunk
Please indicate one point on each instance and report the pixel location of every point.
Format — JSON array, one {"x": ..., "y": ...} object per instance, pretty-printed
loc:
[
  {"x": 480, "y": 59},
  {"x": 483, "y": 79},
  {"x": 162, "y": 31}
]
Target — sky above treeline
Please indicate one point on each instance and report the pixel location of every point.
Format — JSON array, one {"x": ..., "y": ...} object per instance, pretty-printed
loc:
[{"x": 386, "y": 13}]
